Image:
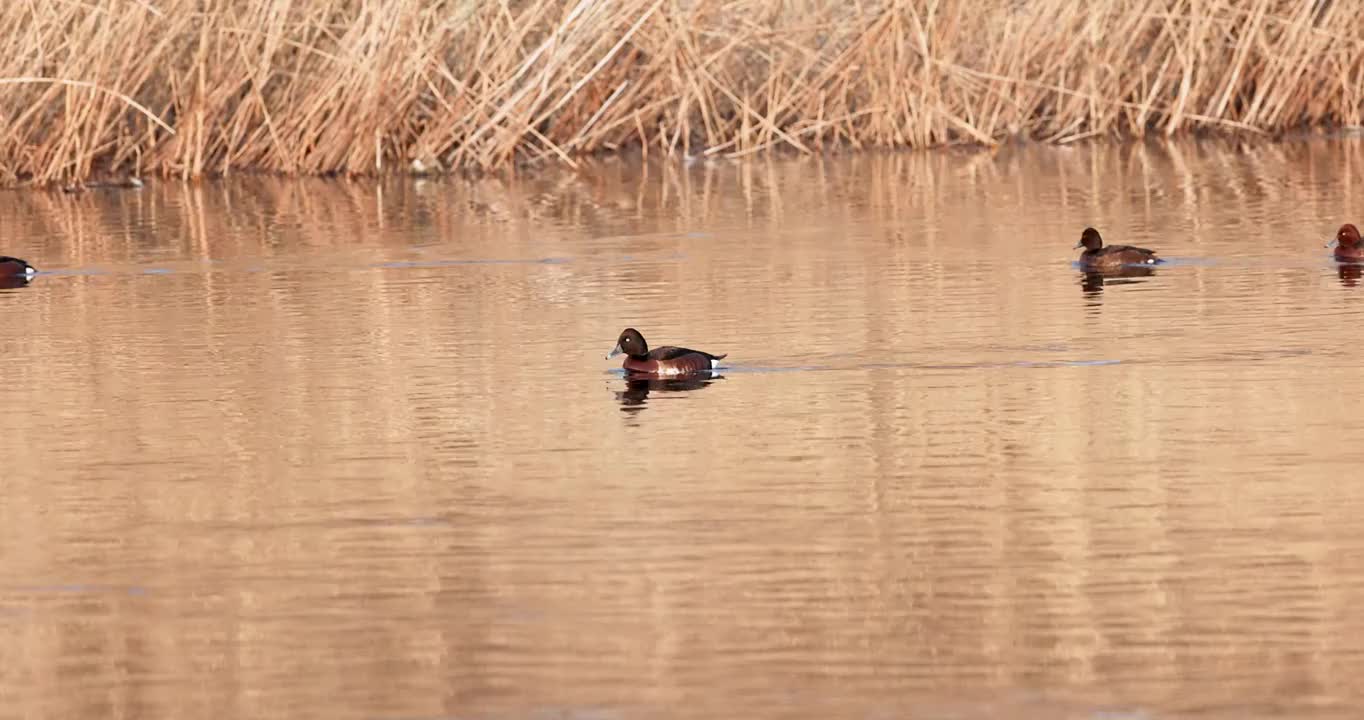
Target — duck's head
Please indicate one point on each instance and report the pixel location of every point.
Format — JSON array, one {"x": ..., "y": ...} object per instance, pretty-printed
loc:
[
  {"x": 631, "y": 343},
  {"x": 1090, "y": 240},
  {"x": 1347, "y": 237}
]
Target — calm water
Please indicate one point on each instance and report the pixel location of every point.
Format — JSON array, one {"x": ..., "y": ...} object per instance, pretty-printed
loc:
[{"x": 350, "y": 450}]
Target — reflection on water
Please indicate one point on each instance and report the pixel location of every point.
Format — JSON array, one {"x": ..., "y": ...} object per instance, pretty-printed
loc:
[
  {"x": 637, "y": 388},
  {"x": 286, "y": 448},
  {"x": 1092, "y": 281},
  {"x": 1349, "y": 273}
]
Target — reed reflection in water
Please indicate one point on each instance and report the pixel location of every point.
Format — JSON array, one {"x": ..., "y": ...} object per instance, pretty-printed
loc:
[{"x": 286, "y": 448}]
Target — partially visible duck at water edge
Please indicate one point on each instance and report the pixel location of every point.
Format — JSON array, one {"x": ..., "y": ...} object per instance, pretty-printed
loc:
[
  {"x": 12, "y": 267},
  {"x": 1347, "y": 245},
  {"x": 1098, "y": 256},
  {"x": 665, "y": 360}
]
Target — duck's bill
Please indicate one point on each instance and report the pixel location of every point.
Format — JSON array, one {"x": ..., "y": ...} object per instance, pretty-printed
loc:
[
  {"x": 1334, "y": 242},
  {"x": 614, "y": 352},
  {"x": 1078, "y": 245}
]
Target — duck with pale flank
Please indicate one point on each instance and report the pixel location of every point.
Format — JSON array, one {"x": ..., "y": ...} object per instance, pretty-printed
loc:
[
  {"x": 12, "y": 267},
  {"x": 665, "y": 360},
  {"x": 1098, "y": 256},
  {"x": 1347, "y": 245}
]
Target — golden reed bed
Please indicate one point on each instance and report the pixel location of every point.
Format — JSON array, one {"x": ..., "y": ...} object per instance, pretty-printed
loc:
[{"x": 188, "y": 88}]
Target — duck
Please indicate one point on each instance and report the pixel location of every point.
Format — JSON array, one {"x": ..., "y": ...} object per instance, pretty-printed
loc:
[
  {"x": 12, "y": 267},
  {"x": 15, "y": 267},
  {"x": 665, "y": 360},
  {"x": 1347, "y": 244},
  {"x": 1098, "y": 256}
]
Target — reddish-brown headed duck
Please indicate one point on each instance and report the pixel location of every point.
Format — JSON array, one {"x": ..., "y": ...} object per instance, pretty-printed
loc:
[
  {"x": 1098, "y": 256},
  {"x": 661, "y": 360},
  {"x": 1347, "y": 245},
  {"x": 11, "y": 267}
]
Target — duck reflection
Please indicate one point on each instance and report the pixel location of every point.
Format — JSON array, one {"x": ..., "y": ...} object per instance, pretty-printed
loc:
[
  {"x": 637, "y": 388},
  {"x": 1092, "y": 282},
  {"x": 12, "y": 282},
  {"x": 1349, "y": 273}
]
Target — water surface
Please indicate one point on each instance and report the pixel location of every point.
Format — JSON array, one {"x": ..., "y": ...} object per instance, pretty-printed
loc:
[{"x": 281, "y": 448}]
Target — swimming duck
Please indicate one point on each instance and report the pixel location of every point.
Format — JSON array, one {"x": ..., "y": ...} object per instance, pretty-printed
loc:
[
  {"x": 664, "y": 360},
  {"x": 11, "y": 267},
  {"x": 1347, "y": 245},
  {"x": 1097, "y": 256}
]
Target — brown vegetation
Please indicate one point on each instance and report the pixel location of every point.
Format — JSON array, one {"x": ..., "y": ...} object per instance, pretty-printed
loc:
[{"x": 200, "y": 87}]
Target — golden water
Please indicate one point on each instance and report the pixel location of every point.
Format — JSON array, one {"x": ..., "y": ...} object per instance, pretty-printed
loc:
[{"x": 299, "y": 449}]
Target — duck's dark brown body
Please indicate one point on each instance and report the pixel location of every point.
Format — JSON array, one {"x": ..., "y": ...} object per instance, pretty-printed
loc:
[
  {"x": 1114, "y": 256},
  {"x": 666, "y": 360},
  {"x": 11, "y": 267},
  {"x": 1098, "y": 256},
  {"x": 672, "y": 361}
]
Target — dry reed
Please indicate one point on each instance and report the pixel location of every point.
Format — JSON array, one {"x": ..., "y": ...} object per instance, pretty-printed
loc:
[{"x": 189, "y": 88}]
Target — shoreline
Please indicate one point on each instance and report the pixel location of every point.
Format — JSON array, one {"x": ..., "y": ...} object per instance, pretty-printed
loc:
[{"x": 1242, "y": 142}]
